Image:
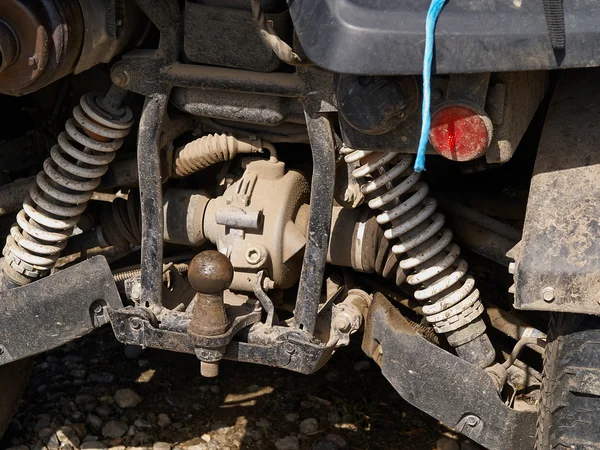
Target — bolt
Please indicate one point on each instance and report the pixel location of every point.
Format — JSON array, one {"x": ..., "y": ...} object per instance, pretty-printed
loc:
[
  {"x": 209, "y": 369},
  {"x": 120, "y": 77},
  {"x": 98, "y": 309},
  {"x": 135, "y": 323},
  {"x": 473, "y": 421},
  {"x": 436, "y": 94},
  {"x": 548, "y": 294},
  {"x": 289, "y": 348},
  {"x": 136, "y": 291},
  {"x": 253, "y": 255},
  {"x": 511, "y": 268}
]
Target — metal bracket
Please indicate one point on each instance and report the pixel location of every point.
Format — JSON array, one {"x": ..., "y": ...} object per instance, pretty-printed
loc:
[
  {"x": 444, "y": 386},
  {"x": 56, "y": 309}
]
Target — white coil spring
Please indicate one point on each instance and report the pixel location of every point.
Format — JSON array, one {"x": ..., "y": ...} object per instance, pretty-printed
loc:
[
  {"x": 428, "y": 253},
  {"x": 62, "y": 189}
]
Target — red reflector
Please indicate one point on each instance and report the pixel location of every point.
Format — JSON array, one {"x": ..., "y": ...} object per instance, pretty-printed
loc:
[{"x": 459, "y": 133}]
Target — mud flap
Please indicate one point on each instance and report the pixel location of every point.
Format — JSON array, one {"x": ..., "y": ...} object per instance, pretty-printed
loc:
[{"x": 558, "y": 261}]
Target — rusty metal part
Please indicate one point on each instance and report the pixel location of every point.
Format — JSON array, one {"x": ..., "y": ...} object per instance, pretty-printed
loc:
[
  {"x": 54, "y": 204},
  {"x": 40, "y": 41},
  {"x": 556, "y": 263},
  {"x": 209, "y": 273}
]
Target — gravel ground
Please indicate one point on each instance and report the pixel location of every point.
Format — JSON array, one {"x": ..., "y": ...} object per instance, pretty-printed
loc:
[{"x": 97, "y": 394}]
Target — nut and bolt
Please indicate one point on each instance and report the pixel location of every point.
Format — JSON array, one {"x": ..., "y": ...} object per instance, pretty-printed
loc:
[
  {"x": 135, "y": 323},
  {"x": 473, "y": 421},
  {"x": 289, "y": 348},
  {"x": 548, "y": 294},
  {"x": 120, "y": 77}
]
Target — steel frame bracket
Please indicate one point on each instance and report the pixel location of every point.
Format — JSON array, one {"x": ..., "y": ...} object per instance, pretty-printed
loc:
[
  {"x": 57, "y": 309},
  {"x": 446, "y": 387}
]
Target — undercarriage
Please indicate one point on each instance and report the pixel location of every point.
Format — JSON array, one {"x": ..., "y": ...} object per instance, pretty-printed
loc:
[{"x": 185, "y": 173}]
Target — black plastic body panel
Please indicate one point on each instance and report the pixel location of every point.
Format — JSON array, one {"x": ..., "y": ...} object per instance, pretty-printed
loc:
[{"x": 386, "y": 37}]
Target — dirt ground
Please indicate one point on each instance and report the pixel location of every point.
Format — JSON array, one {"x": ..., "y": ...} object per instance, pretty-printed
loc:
[{"x": 72, "y": 402}]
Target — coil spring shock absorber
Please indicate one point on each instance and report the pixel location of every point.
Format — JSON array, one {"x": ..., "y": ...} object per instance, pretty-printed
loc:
[
  {"x": 62, "y": 189},
  {"x": 425, "y": 255}
]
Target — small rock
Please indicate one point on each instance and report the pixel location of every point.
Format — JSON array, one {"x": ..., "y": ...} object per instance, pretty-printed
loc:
[
  {"x": 67, "y": 436},
  {"x": 114, "y": 429},
  {"x": 142, "y": 424},
  {"x": 333, "y": 417},
  {"x": 90, "y": 437},
  {"x": 161, "y": 446},
  {"x": 254, "y": 433},
  {"x": 336, "y": 439},
  {"x": 253, "y": 388},
  {"x": 206, "y": 437},
  {"x": 18, "y": 447},
  {"x": 163, "y": 420},
  {"x": 177, "y": 425},
  {"x": 92, "y": 445},
  {"x": 131, "y": 431},
  {"x": 127, "y": 398},
  {"x": 78, "y": 373},
  {"x": 361, "y": 366},
  {"x": 77, "y": 416},
  {"x": 101, "y": 377},
  {"x": 141, "y": 438},
  {"x": 292, "y": 417},
  {"x": 215, "y": 389},
  {"x": 445, "y": 443},
  {"x": 263, "y": 423},
  {"x": 325, "y": 445},
  {"x": 287, "y": 443},
  {"x": 104, "y": 410},
  {"x": 43, "y": 422},
  {"x": 200, "y": 446},
  {"x": 204, "y": 388},
  {"x": 93, "y": 421},
  {"x": 117, "y": 447},
  {"x": 309, "y": 426}
]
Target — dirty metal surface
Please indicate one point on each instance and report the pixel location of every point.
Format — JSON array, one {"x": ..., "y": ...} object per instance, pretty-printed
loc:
[
  {"x": 558, "y": 264},
  {"x": 446, "y": 387},
  {"x": 56, "y": 309}
]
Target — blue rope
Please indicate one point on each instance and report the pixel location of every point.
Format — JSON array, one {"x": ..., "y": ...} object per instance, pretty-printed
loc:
[{"x": 432, "y": 15}]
